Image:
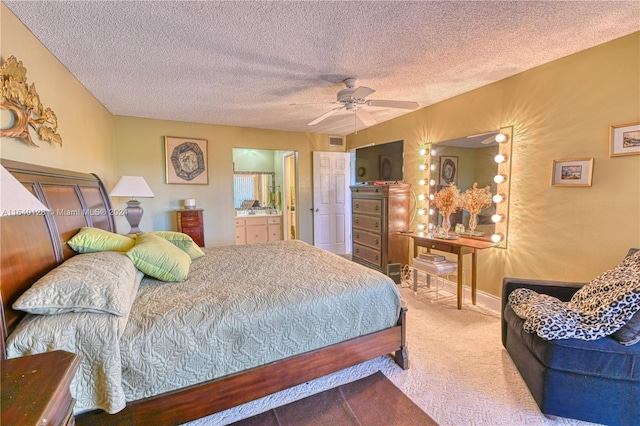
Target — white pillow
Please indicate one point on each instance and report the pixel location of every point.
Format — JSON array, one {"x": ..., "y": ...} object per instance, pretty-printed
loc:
[{"x": 103, "y": 282}]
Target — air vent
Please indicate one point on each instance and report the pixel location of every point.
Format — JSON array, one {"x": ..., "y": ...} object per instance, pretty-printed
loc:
[{"x": 336, "y": 141}]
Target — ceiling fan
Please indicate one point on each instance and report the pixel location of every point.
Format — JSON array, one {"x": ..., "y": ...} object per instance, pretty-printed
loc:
[{"x": 353, "y": 99}]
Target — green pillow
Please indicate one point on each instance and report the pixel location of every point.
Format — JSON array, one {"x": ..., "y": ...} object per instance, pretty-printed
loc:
[
  {"x": 160, "y": 259},
  {"x": 182, "y": 241},
  {"x": 93, "y": 240}
]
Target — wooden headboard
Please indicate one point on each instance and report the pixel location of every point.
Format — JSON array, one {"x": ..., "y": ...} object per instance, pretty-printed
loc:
[{"x": 31, "y": 246}]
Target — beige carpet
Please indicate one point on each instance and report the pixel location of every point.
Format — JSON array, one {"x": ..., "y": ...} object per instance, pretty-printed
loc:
[{"x": 459, "y": 372}]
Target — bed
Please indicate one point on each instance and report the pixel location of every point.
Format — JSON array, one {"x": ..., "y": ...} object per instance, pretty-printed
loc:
[{"x": 232, "y": 370}]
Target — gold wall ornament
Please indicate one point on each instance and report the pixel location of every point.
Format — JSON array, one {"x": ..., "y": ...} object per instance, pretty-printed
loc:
[{"x": 24, "y": 103}]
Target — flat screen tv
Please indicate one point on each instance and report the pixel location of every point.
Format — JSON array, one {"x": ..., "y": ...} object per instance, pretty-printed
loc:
[{"x": 380, "y": 163}]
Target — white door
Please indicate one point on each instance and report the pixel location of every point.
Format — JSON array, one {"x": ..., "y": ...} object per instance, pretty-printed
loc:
[{"x": 331, "y": 201}]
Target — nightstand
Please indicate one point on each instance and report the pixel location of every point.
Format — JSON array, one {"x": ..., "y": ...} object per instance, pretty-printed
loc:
[
  {"x": 190, "y": 223},
  {"x": 35, "y": 389}
]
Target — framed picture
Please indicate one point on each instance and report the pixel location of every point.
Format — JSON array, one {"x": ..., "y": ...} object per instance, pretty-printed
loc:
[
  {"x": 624, "y": 140},
  {"x": 575, "y": 172},
  {"x": 186, "y": 160},
  {"x": 448, "y": 170}
]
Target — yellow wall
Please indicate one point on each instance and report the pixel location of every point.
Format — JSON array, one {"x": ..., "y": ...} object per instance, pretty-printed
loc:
[
  {"x": 560, "y": 110},
  {"x": 140, "y": 151},
  {"x": 86, "y": 127}
]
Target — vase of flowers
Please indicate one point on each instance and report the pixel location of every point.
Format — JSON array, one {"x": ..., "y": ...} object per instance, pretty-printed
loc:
[
  {"x": 474, "y": 200},
  {"x": 447, "y": 200}
]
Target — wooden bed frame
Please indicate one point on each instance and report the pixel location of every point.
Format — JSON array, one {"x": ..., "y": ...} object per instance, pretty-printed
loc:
[{"x": 33, "y": 245}]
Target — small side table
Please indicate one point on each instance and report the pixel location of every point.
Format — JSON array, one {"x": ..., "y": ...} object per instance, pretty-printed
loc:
[
  {"x": 190, "y": 223},
  {"x": 35, "y": 389}
]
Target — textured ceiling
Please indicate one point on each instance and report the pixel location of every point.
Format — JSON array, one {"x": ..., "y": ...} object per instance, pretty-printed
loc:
[{"x": 245, "y": 63}]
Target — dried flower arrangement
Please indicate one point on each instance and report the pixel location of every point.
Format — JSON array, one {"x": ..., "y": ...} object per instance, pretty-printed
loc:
[
  {"x": 448, "y": 200},
  {"x": 475, "y": 199}
]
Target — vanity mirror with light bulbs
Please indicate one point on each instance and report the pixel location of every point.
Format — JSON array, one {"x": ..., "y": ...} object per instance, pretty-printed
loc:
[{"x": 484, "y": 159}]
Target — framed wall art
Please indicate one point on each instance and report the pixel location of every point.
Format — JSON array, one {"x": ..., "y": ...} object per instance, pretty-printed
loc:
[
  {"x": 186, "y": 160},
  {"x": 574, "y": 172},
  {"x": 624, "y": 140},
  {"x": 448, "y": 170}
]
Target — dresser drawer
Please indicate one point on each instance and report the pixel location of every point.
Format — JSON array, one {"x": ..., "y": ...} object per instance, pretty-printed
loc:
[
  {"x": 441, "y": 247},
  {"x": 367, "y": 254},
  {"x": 367, "y": 239},
  {"x": 370, "y": 223},
  {"x": 190, "y": 221},
  {"x": 367, "y": 206}
]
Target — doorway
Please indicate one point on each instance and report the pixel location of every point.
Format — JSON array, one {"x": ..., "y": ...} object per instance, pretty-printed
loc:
[{"x": 289, "y": 196}]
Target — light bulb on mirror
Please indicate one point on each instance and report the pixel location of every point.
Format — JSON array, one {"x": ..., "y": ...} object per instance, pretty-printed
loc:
[
  {"x": 431, "y": 212},
  {"x": 423, "y": 151},
  {"x": 422, "y": 182},
  {"x": 422, "y": 166},
  {"x": 421, "y": 197},
  {"x": 420, "y": 227},
  {"x": 499, "y": 178},
  {"x": 432, "y": 182},
  {"x": 433, "y": 152},
  {"x": 420, "y": 212},
  {"x": 498, "y": 198},
  {"x": 499, "y": 158},
  {"x": 431, "y": 197},
  {"x": 501, "y": 137},
  {"x": 496, "y": 238},
  {"x": 496, "y": 218}
]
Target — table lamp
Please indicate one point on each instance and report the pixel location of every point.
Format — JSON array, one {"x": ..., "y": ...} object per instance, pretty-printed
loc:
[
  {"x": 15, "y": 199},
  {"x": 133, "y": 187}
]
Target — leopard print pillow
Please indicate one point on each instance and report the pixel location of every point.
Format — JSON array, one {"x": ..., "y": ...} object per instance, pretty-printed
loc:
[{"x": 596, "y": 310}]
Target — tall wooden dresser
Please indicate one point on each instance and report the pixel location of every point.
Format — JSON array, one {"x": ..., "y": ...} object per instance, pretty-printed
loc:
[
  {"x": 378, "y": 213},
  {"x": 190, "y": 223}
]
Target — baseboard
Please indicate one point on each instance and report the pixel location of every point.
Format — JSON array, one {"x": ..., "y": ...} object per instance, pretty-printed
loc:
[{"x": 486, "y": 300}]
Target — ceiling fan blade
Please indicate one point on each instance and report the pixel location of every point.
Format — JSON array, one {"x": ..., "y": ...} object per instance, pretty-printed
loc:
[
  {"x": 325, "y": 115},
  {"x": 393, "y": 104},
  {"x": 362, "y": 92},
  {"x": 314, "y": 103},
  {"x": 365, "y": 117}
]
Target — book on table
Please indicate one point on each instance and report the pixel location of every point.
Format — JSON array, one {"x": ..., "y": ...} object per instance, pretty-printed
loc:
[
  {"x": 430, "y": 257},
  {"x": 435, "y": 268}
]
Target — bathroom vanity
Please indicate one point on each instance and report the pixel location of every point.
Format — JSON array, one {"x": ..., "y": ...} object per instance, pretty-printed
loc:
[{"x": 258, "y": 228}]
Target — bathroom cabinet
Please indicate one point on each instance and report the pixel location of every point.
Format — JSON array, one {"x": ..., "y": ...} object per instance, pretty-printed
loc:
[{"x": 258, "y": 229}]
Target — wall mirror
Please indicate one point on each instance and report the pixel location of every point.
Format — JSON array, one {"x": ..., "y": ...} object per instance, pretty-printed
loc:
[
  {"x": 484, "y": 159},
  {"x": 254, "y": 189}
]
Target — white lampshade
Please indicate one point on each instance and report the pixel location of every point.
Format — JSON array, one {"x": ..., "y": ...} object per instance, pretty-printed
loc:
[
  {"x": 133, "y": 187},
  {"x": 15, "y": 199}
]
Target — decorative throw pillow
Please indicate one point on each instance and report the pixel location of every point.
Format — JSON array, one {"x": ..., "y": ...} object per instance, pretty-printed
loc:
[
  {"x": 104, "y": 282},
  {"x": 182, "y": 241},
  {"x": 160, "y": 259},
  {"x": 92, "y": 240},
  {"x": 630, "y": 333},
  {"x": 598, "y": 309}
]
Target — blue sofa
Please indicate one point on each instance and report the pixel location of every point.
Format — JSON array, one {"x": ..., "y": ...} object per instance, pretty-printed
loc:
[{"x": 596, "y": 381}]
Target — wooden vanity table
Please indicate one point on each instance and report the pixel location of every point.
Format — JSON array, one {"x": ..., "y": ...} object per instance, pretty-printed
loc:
[{"x": 459, "y": 246}]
